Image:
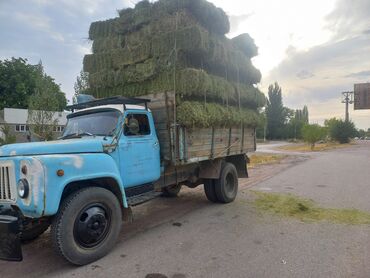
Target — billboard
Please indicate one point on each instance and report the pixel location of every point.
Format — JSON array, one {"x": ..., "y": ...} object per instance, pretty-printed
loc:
[{"x": 362, "y": 96}]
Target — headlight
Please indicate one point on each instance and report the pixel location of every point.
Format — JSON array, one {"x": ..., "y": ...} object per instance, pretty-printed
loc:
[{"x": 23, "y": 188}]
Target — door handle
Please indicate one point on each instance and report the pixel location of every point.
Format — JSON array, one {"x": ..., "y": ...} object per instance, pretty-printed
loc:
[{"x": 156, "y": 144}]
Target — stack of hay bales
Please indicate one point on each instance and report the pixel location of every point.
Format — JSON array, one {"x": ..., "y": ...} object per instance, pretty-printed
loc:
[{"x": 177, "y": 45}]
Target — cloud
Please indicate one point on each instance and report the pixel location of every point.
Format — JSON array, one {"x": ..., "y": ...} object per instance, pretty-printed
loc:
[
  {"x": 360, "y": 74},
  {"x": 318, "y": 75},
  {"x": 349, "y": 18},
  {"x": 237, "y": 20},
  {"x": 304, "y": 74},
  {"x": 38, "y": 22}
]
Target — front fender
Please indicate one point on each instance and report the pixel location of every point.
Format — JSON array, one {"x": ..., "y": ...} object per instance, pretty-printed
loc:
[{"x": 76, "y": 167}]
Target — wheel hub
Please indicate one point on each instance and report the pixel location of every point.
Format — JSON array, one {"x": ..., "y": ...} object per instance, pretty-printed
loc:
[
  {"x": 229, "y": 184},
  {"x": 91, "y": 226}
]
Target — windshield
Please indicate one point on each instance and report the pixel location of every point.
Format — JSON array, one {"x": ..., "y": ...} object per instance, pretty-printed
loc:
[{"x": 97, "y": 123}]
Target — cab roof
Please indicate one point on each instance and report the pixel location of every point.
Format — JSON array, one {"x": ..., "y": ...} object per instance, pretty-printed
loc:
[
  {"x": 118, "y": 107},
  {"x": 118, "y": 100}
]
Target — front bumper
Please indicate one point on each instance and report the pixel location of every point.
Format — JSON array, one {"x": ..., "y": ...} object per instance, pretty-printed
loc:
[{"x": 10, "y": 243}]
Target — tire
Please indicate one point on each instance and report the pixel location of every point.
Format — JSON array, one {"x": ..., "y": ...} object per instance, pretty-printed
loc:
[
  {"x": 209, "y": 190},
  {"x": 226, "y": 186},
  {"x": 87, "y": 225},
  {"x": 171, "y": 190},
  {"x": 34, "y": 230}
]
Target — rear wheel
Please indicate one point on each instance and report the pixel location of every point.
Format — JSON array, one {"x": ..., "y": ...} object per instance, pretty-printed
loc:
[
  {"x": 226, "y": 187},
  {"x": 171, "y": 190},
  {"x": 209, "y": 190},
  {"x": 87, "y": 226}
]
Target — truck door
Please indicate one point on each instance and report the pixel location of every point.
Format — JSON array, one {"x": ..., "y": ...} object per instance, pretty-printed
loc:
[{"x": 139, "y": 149}]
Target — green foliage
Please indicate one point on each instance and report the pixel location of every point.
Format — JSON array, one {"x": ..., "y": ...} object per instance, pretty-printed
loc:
[
  {"x": 296, "y": 120},
  {"x": 306, "y": 210},
  {"x": 8, "y": 137},
  {"x": 81, "y": 85},
  {"x": 275, "y": 113},
  {"x": 305, "y": 116},
  {"x": 261, "y": 125},
  {"x": 42, "y": 106},
  {"x": 313, "y": 133},
  {"x": 18, "y": 81},
  {"x": 362, "y": 133},
  {"x": 340, "y": 130}
]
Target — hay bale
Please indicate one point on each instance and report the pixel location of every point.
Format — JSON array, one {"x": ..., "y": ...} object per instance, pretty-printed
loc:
[
  {"x": 191, "y": 39},
  {"x": 246, "y": 44},
  {"x": 197, "y": 114},
  {"x": 195, "y": 50},
  {"x": 104, "y": 28},
  {"x": 130, "y": 56},
  {"x": 107, "y": 44},
  {"x": 97, "y": 62},
  {"x": 191, "y": 84},
  {"x": 208, "y": 15},
  {"x": 134, "y": 56}
]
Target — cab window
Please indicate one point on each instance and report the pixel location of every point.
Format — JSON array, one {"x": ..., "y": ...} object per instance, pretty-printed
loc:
[{"x": 136, "y": 125}]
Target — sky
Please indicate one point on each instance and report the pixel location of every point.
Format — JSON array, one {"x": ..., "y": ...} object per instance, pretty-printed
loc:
[{"x": 314, "y": 49}]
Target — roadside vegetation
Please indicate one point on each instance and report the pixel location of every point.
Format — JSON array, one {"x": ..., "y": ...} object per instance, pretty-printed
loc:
[
  {"x": 322, "y": 146},
  {"x": 260, "y": 159},
  {"x": 27, "y": 86},
  {"x": 8, "y": 137},
  {"x": 277, "y": 122},
  {"x": 287, "y": 205}
]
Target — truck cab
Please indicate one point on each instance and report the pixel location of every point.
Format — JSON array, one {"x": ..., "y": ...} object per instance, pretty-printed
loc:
[{"x": 106, "y": 150}]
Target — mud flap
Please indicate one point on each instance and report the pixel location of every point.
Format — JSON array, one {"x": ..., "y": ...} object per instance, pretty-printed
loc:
[{"x": 10, "y": 243}]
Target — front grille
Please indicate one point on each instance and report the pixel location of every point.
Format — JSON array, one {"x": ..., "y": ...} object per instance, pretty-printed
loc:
[{"x": 7, "y": 182}]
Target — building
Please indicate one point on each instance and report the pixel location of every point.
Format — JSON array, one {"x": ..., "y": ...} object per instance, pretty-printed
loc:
[{"x": 16, "y": 119}]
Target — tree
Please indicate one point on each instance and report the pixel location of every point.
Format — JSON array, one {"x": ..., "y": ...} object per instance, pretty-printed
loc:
[
  {"x": 305, "y": 117},
  {"x": 261, "y": 125},
  {"x": 81, "y": 85},
  {"x": 275, "y": 112},
  {"x": 8, "y": 137},
  {"x": 362, "y": 133},
  {"x": 313, "y": 133},
  {"x": 42, "y": 106},
  {"x": 342, "y": 131},
  {"x": 17, "y": 83}
]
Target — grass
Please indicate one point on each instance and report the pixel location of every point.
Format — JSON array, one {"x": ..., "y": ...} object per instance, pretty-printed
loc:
[
  {"x": 306, "y": 210},
  {"x": 259, "y": 159},
  {"x": 318, "y": 147}
]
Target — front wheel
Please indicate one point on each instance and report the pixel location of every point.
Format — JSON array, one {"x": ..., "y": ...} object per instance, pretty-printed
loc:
[
  {"x": 87, "y": 225},
  {"x": 226, "y": 187}
]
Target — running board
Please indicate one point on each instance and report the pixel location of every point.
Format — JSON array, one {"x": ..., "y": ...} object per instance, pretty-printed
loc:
[{"x": 142, "y": 198}]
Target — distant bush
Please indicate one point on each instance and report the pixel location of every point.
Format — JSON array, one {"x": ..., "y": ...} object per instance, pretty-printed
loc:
[
  {"x": 8, "y": 137},
  {"x": 313, "y": 133},
  {"x": 342, "y": 131}
]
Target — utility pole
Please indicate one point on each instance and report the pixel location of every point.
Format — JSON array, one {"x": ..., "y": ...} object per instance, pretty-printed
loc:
[{"x": 347, "y": 99}]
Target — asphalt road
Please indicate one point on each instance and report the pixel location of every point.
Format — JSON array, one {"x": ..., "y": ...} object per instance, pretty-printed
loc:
[{"x": 190, "y": 237}]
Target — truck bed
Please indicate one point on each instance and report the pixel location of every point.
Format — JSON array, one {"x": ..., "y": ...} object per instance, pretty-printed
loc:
[{"x": 183, "y": 145}]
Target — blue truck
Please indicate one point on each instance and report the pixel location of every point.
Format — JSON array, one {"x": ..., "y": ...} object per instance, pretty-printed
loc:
[{"x": 115, "y": 153}]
